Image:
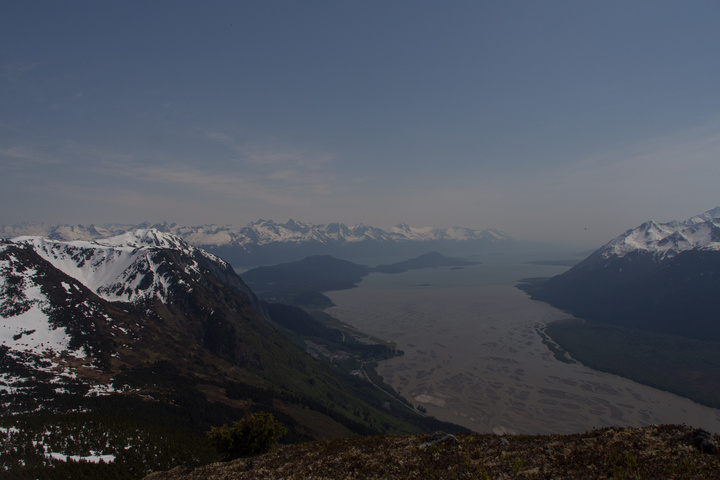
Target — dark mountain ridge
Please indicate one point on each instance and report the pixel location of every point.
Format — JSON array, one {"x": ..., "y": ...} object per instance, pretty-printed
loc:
[
  {"x": 301, "y": 282},
  {"x": 657, "y": 277},
  {"x": 142, "y": 332},
  {"x": 678, "y": 296},
  {"x": 428, "y": 260}
]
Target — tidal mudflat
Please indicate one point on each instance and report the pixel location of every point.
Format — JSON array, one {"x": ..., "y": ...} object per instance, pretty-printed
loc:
[{"x": 473, "y": 356}]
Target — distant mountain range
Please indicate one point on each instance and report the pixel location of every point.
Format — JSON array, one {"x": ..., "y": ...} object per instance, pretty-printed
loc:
[
  {"x": 143, "y": 331},
  {"x": 266, "y": 242},
  {"x": 660, "y": 277}
]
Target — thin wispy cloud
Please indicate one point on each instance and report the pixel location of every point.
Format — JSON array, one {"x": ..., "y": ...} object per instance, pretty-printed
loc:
[
  {"x": 21, "y": 155},
  {"x": 277, "y": 188},
  {"x": 674, "y": 172},
  {"x": 272, "y": 155},
  {"x": 282, "y": 180},
  {"x": 684, "y": 151},
  {"x": 270, "y": 176},
  {"x": 124, "y": 204},
  {"x": 299, "y": 159},
  {"x": 14, "y": 72}
]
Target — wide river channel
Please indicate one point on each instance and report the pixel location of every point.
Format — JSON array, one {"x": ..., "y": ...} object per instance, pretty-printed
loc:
[{"x": 474, "y": 357}]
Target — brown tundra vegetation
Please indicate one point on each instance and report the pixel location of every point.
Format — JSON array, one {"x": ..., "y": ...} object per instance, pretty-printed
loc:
[{"x": 653, "y": 452}]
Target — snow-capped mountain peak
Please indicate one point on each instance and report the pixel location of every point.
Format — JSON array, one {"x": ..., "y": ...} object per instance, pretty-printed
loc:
[
  {"x": 145, "y": 237},
  {"x": 666, "y": 240},
  {"x": 127, "y": 267},
  {"x": 713, "y": 214},
  {"x": 259, "y": 233},
  {"x": 266, "y": 242}
]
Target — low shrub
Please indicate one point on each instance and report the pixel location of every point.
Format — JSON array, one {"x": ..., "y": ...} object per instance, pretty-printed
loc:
[{"x": 254, "y": 434}]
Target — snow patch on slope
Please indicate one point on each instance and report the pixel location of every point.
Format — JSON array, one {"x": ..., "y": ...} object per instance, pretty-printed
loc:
[
  {"x": 123, "y": 268},
  {"x": 25, "y": 324}
]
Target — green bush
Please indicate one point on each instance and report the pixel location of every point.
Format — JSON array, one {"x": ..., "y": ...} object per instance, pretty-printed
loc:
[{"x": 255, "y": 434}]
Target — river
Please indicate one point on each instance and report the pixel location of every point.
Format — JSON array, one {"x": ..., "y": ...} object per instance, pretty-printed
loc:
[{"x": 473, "y": 355}]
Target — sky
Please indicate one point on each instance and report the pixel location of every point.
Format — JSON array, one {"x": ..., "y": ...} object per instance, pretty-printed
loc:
[{"x": 562, "y": 121}]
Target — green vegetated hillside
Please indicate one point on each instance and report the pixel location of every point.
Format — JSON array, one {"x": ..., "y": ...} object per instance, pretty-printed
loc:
[
  {"x": 677, "y": 296},
  {"x": 160, "y": 374},
  {"x": 652, "y": 321},
  {"x": 313, "y": 274}
]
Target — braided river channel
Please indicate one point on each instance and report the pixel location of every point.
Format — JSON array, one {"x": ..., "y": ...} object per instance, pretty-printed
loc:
[{"x": 474, "y": 354}]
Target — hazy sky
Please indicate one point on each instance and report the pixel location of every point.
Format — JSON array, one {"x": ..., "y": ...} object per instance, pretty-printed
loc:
[{"x": 553, "y": 120}]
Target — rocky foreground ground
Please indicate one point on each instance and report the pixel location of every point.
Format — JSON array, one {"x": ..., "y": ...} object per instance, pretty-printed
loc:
[{"x": 654, "y": 452}]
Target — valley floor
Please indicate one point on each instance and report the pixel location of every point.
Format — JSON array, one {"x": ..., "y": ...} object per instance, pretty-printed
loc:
[{"x": 474, "y": 357}]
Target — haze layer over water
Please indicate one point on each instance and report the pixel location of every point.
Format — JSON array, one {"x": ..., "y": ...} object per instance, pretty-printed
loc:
[{"x": 474, "y": 355}]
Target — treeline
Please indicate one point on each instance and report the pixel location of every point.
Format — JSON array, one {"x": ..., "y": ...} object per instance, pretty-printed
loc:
[
  {"x": 300, "y": 325},
  {"x": 37, "y": 446}
]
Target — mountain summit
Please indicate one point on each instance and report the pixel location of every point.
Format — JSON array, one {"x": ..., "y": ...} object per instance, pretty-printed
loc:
[
  {"x": 127, "y": 267},
  {"x": 113, "y": 304},
  {"x": 665, "y": 240},
  {"x": 660, "y": 277}
]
